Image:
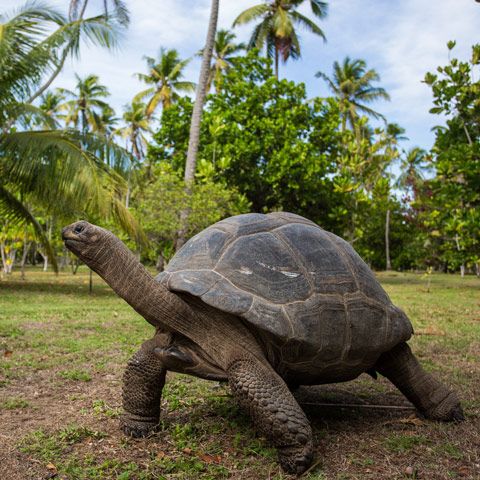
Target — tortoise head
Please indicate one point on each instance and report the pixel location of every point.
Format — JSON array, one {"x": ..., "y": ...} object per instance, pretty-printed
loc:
[{"x": 92, "y": 244}]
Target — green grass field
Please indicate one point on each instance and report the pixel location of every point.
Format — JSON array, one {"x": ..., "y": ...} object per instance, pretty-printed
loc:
[{"x": 62, "y": 354}]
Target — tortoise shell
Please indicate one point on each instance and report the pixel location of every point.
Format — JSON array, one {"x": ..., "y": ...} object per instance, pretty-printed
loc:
[{"x": 292, "y": 280}]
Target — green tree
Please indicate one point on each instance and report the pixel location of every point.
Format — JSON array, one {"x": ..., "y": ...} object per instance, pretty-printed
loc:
[
  {"x": 96, "y": 28},
  {"x": 50, "y": 104},
  {"x": 118, "y": 8},
  {"x": 160, "y": 203},
  {"x": 454, "y": 204},
  {"x": 262, "y": 137},
  {"x": 165, "y": 74},
  {"x": 136, "y": 125},
  {"x": 414, "y": 165},
  {"x": 351, "y": 83},
  {"x": 200, "y": 96},
  {"x": 276, "y": 28}
]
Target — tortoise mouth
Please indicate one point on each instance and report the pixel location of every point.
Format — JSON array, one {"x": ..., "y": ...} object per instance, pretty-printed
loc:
[{"x": 73, "y": 244}]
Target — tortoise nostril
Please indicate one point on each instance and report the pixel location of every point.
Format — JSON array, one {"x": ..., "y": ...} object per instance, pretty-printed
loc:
[{"x": 79, "y": 229}]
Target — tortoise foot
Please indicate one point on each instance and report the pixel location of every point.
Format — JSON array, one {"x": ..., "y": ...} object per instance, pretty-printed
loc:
[
  {"x": 139, "y": 427},
  {"x": 297, "y": 459},
  {"x": 448, "y": 410}
]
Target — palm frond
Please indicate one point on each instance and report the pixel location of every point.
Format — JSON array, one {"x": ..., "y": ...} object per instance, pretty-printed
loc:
[
  {"x": 306, "y": 23},
  {"x": 251, "y": 14},
  {"x": 140, "y": 96}
]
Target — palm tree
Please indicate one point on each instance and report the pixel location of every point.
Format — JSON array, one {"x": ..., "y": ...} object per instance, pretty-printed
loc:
[
  {"x": 194, "y": 134},
  {"x": 84, "y": 105},
  {"x": 77, "y": 8},
  {"x": 224, "y": 50},
  {"x": 352, "y": 85},
  {"x": 276, "y": 30},
  {"x": 55, "y": 170},
  {"x": 79, "y": 28},
  {"x": 165, "y": 74},
  {"x": 137, "y": 124},
  {"x": 105, "y": 122},
  {"x": 413, "y": 166},
  {"x": 50, "y": 103}
]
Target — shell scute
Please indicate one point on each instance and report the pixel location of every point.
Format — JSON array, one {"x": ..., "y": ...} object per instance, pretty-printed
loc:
[
  {"x": 201, "y": 251},
  {"x": 260, "y": 264},
  {"x": 323, "y": 261},
  {"x": 328, "y": 336}
]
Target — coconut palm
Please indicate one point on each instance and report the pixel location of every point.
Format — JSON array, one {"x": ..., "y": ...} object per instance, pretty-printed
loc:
[
  {"x": 137, "y": 124},
  {"x": 105, "y": 122},
  {"x": 276, "y": 27},
  {"x": 50, "y": 103},
  {"x": 80, "y": 28},
  {"x": 56, "y": 170},
  {"x": 165, "y": 74},
  {"x": 352, "y": 85},
  {"x": 119, "y": 9},
  {"x": 224, "y": 50},
  {"x": 84, "y": 105},
  {"x": 413, "y": 166},
  {"x": 194, "y": 133}
]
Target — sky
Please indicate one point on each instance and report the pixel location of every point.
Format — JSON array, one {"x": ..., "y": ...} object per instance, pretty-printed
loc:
[{"x": 401, "y": 40}]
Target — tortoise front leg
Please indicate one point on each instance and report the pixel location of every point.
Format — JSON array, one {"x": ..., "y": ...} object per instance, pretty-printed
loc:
[
  {"x": 432, "y": 398},
  {"x": 143, "y": 382},
  {"x": 275, "y": 412}
]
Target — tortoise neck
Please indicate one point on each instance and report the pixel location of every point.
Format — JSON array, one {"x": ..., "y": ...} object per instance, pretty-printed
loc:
[
  {"x": 131, "y": 281},
  {"x": 153, "y": 301}
]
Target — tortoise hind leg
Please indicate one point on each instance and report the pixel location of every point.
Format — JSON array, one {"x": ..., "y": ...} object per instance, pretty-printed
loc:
[{"x": 432, "y": 398}]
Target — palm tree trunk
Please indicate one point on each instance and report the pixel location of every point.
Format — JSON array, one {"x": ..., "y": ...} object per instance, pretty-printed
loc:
[
  {"x": 194, "y": 138},
  {"x": 200, "y": 96},
  {"x": 276, "y": 62},
  {"x": 387, "y": 241},
  {"x": 54, "y": 75}
]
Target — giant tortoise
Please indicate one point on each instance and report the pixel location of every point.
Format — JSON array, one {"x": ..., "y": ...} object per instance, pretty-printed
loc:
[{"x": 267, "y": 303}]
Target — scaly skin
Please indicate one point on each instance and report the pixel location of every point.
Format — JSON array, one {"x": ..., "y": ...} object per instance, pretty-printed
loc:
[
  {"x": 143, "y": 382},
  {"x": 274, "y": 411}
]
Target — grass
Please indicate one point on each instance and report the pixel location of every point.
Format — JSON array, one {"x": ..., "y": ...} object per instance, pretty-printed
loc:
[{"x": 62, "y": 354}]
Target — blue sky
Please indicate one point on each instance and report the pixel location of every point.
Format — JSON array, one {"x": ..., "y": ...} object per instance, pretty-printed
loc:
[{"x": 400, "y": 39}]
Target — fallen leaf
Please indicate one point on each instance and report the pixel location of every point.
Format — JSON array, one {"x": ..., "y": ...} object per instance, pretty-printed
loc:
[
  {"x": 211, "y": 458},
  {"x": 411, "y": 420},
  {"x": 187, "y": 450},
  {"x": 464, "y": 471},
  {"x": 7, "y": 353},
  {"x": 51, "y": 466},
  {"x": 161, "y": 454}
]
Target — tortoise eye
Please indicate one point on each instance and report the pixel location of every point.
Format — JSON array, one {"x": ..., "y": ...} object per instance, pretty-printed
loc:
[{"x": 79, "y": 229}]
